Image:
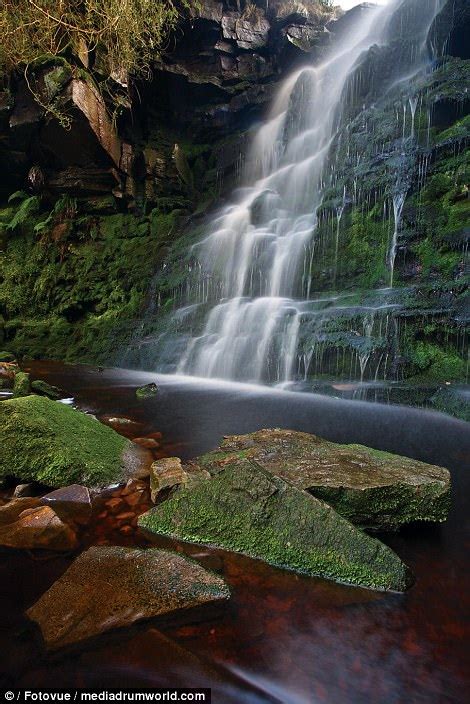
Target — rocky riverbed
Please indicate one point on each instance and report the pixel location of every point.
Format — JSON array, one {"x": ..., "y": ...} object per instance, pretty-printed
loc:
[{"x": 105, "y": 518}]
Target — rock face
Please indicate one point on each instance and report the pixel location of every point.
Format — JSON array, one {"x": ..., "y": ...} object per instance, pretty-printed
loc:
[
  {"x": 222, "y": 63},
  {"x": 246, "y": 509},
  {"x": 112, "y": 587},
  {"x": 48, "y": 442},
  {"x": 87, "y": 99},
  {"x": 38, "y": 527},
  {"x": 376, "y": 490}
]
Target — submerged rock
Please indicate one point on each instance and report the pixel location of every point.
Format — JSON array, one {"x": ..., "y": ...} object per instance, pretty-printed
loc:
[
  {"x": 374, "y": 489},
  {"x": 56, "y": 445},
  {"x": 38, "y": 527},
  {"x": 147, "y": 391},
  {"x": 112, "y": 587},
  {"x": 246, "y": 509}
]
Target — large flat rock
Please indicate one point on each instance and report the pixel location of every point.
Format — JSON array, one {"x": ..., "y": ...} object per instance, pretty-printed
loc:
[
  {"x": 112, "y": 587},
  {"x": 51, "y": 443},
  {"x": 246, "y": 509},
  {"x": 373, "y": 489}
]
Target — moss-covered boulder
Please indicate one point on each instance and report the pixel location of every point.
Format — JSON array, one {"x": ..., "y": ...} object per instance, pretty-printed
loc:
[
  {"x": 246, "y": 509},
  {"x": 376, "y": 490},
  {"x": 38, "y": 386},
  {"x": 51, "y": 443},
  {"x": 21, "y": 384}
]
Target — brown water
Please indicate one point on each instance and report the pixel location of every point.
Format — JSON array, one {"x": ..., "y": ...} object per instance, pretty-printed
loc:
[{"x": 283, "y": 637}]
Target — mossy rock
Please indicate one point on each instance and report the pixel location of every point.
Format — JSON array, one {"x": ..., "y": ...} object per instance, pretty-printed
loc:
[
  {"x": 21, "y": 385},
  {"x": 373, "y": 489},
  {"x": 51, "y": 443},
  {"x": 44, "y": 389},
  {"x": 147, "y": 391},
  {"x": 246, "y": 509}
]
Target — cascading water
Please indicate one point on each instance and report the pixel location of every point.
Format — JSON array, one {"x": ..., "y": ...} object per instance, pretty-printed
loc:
[
  {"x": 261, "y": 244},
  {"x": 255, "y": 266}
]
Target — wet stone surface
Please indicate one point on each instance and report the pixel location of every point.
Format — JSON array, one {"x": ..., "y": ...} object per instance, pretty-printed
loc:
[
  {"x": 112, "y": 587},
  {"x": 377, "y": 490}
]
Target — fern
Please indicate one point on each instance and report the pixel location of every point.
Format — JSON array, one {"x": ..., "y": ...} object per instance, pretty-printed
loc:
[
  {"x": 17, "y": 195},
  {"x": 64, "y": 207},
  {"x": 28, "y": 207}
]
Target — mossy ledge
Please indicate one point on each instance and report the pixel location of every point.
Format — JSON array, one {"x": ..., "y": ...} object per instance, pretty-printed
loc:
[
  {"x": 247, "y": 510},
  {"x": 51, "y": 443}
]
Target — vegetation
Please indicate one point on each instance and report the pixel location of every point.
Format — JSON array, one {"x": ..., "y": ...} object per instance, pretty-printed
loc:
[
  {"x": 130, "y": 33},
  {"x": 71, "y": 281},
  {"x": 312, "y": 10}
]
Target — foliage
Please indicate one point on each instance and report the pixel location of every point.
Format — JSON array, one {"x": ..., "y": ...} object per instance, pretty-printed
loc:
[
  {"x": 252, "y": 12},
  {"x": 311, "y": 10},
  {"x": 130, "y": 33},
  {"x": 28, "y": 207}
]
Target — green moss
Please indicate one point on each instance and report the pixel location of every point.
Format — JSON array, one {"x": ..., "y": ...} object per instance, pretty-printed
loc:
[
  {"x": 431, "y": 361},
  {"x": 374, "y": 489},
  {"x": 388, "y": 507},
  {"x": 48, "y": 442},
  {"x": 44, "y": 389},
  {"x": 72, "y": 297},
  {"x": 247, "y": 510}
]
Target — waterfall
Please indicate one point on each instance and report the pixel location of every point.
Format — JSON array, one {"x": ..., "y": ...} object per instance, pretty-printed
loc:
[{"x": 256, "y": 260}]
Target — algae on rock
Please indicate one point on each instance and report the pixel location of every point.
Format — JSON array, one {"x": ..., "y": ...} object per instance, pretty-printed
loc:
[{"x": 245, "y": 509}]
